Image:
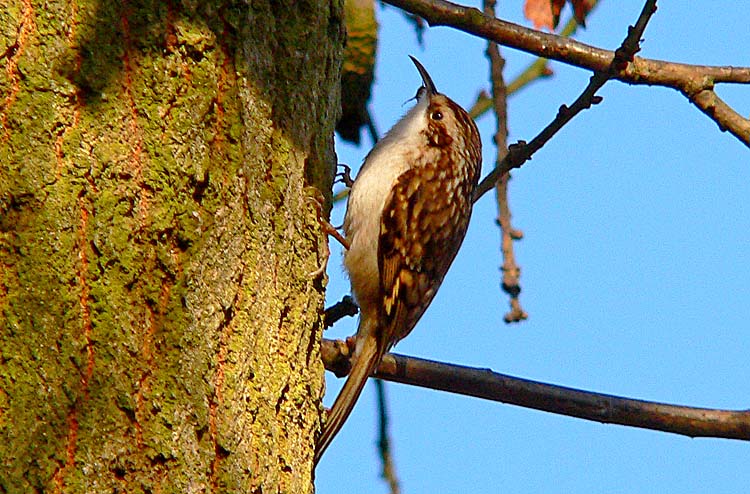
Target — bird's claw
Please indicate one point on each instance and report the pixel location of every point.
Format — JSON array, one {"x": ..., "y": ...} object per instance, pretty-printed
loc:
[{"x": 344, "y": 177}]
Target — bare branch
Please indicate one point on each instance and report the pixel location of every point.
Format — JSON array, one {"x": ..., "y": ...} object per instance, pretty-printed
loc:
[
  {"x": 511, "y": 271},
  {"x": 695, "y": 81},
  {"x": 567, "y": 50},
  {"x": 608, "y": 409},
  {"x": 520, "y": 153},
  {"x": 725, "y": 117},
  {"x": 345, "y": 307},
  {"x": 538, "y": 69}
]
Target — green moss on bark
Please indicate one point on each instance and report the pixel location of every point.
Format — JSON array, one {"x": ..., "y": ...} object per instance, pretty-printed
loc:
[{"x": 159, "y": 325}]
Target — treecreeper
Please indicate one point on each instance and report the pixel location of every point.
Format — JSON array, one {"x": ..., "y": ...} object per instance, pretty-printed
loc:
[{"x": 406, "y": 217}]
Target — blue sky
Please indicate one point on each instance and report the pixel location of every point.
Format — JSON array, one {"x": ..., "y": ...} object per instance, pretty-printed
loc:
[{"x": 636, "y": 274}]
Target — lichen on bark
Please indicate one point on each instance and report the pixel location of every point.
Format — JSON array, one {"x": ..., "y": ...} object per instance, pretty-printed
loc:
[{"x": 158, "y": 323}]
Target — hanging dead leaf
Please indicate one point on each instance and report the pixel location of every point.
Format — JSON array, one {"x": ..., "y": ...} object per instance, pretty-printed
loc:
[
  {"x": 546, "y": 13},
  {"x": 556, "y": 6},
  {"x": 581, "y": 8},
  {"x": 539, "y": 12}
]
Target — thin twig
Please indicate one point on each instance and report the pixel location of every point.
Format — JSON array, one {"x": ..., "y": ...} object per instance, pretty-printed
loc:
[
  {"x": 345, "y": 307},
  {"x": 384, "y": 443},
  {"x": 536, "y": 70},
  {"x": 520, "y": 153},
  {"x": 511, "y": 271},
  {"x": 696, "y": 82},
  {"x": 604, "y": 408},
  {"x": 567, "y": 50}
]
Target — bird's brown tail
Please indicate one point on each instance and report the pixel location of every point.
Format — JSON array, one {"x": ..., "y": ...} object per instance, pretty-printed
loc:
[{"x": 366, "y": 362}]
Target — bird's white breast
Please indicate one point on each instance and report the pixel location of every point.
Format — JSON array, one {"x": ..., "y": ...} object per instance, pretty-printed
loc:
[{"x": 390, "y": 157}]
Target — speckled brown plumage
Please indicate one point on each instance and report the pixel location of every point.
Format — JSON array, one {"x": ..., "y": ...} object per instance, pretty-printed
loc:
[
  {"x": 406, "y": 218},
  {"x": 424, "y": 222}
]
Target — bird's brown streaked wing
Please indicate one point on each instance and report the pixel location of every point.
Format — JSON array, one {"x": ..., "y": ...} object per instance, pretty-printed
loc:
[{"x": 421, "y": 230}]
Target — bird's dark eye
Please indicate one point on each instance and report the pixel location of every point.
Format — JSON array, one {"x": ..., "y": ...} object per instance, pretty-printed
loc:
[{"x": 436, "y": 115}]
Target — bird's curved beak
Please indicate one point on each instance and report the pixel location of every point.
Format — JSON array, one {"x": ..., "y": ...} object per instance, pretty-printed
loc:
[{"x": 426, "y": 79}]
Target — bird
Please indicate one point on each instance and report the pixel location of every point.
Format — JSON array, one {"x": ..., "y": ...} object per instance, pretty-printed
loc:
[{"x": 407, "y": 215}]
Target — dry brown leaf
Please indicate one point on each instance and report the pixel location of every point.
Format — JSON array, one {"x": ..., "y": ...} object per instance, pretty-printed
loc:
[
  {"x": 556, "y": 7},
  {"x": 539, "y": 13},
  {"x": 546, "y": 13},
  {"x": 581, "y": 8}
]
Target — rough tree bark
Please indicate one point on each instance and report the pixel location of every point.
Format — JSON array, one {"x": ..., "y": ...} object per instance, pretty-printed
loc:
[{"x": 158, "y": 165}]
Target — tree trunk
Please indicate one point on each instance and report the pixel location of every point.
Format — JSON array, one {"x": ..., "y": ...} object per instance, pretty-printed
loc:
[{"x": 159, "y": 169}]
